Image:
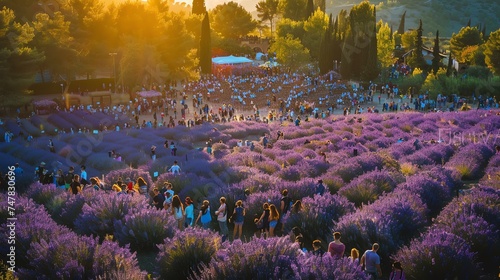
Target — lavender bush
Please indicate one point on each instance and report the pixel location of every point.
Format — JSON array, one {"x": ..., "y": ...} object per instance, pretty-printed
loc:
[
  {"x": 180, "y": 256},
  {"x": 43, "y": 194},
  {"x": 326, "y": 267},
  {"x": 318, "y": 215},
  {"x": 424, "y": 258},
  {"x": 434, "y": 193},
  {"x": 144, "y": 229},
  {"x": 368, "y": 187},
  {"x": 72, "y": 257},
  {"x": 273, "y": 258},
  {"x": 133, "y": 174},
  {"x": 479, "y": 234},
  {"x": 32, "y": 226},
  {"x": 470, "y": 161},
  {"x": 98, "y": 217}
]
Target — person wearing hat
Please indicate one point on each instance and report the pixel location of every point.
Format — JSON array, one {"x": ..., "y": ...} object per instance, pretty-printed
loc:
[{"x": 320, "y": 188}]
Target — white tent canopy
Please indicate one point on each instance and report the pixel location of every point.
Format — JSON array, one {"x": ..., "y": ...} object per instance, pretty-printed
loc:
[{"x": 230, "y": 60}]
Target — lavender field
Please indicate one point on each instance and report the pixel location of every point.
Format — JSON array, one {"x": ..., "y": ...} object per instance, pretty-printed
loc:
[{"x": 426, "y": 187}]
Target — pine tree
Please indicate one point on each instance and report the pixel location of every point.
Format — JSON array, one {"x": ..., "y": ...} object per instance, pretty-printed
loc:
[
  {"x": 199, "y": 7},
  {"x": 435, "y": 52},
  {"x": 205, "y": 46},
  {"x": 401, "y": 28}
]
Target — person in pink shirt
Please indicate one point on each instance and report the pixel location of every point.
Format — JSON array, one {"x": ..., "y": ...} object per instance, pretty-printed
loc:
[{"x": 336, "y": 248}]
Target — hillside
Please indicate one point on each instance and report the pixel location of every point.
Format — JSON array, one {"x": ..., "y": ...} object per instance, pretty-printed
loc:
[{"x": 447, "y": 16}]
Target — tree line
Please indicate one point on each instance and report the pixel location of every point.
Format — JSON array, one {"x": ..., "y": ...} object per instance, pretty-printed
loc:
[{"x": 145, "y": 43}]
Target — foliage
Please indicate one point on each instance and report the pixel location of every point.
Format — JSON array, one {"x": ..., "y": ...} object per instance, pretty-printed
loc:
[
  {"x": 326, "y": 267},
  {"x": 294, "y": 10},
  {"x": 290, "y": 52},
  {"x": 272, "y": 258},
  {"x": 17, "y": 58},
  {"x": 467, "y": 36},
  {"x": 70, "y": 256},
  {"x": 182, "y": 255},
  {"x": 471, "y": 160},
  {"x": 385, "y": 45},
  {"x": 492, "y": 52},
  {"x": 144, "y": 229},
  {"x": 267, "y": 10},
  {"x": 205, "y": 46},
  {"x": 318, "y": 216},
  {"x": 52, "y": 35},
  {"x": 314, "y": 27},
  {"x": 43, "y": 194},
  {"x": 427, "y": 252},
  {"x": 231, "y": 20},
  {"x": 99, "y": 216},
  {"x": 368, "y": 187}
]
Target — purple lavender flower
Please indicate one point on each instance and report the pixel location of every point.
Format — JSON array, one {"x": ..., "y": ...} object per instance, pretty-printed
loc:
[
  {"x": 273, "y": 258},
  {"x": 438, "y": 255},
  {"x": 99, "y": 216},
  {"x": 180, "y": 256},
  {"x": 145, "y": 228}
]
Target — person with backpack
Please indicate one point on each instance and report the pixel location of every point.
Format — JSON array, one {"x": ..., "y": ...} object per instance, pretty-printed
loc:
[{"x": 204, "y": 214}]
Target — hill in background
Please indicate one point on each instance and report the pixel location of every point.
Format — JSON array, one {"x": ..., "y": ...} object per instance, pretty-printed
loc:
[{"x": 447, "y": 16}]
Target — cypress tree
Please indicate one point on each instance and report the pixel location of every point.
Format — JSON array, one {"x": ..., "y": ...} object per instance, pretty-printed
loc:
[
  {"x": 205, "y": 46},
  {"x": 198, "y": 7},
  {"x": 469, "y": 23},
  {"x": 336, "y": 43},
  {"x": 419, "y": 57},
  {"x": 309, "y": 9},
  {"x": 371, "y": 66},
  {"x": 401, "y": 28},
  {"x": 435, "y": 52}
]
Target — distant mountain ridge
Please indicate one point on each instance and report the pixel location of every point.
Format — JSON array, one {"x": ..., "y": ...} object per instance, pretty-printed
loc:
[{"x": 447, "y": 16}]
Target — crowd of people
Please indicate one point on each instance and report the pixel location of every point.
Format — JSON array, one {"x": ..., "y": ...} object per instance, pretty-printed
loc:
[{"x": 265, "y": 224}]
